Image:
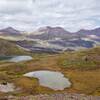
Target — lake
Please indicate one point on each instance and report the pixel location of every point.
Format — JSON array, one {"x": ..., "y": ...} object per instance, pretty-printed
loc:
[
  {"x": 15, "y": 58},
  {"x": 5, "y": 58},
  {"x": 50, "y": 79},
  {"x": 20, "y": 58}
]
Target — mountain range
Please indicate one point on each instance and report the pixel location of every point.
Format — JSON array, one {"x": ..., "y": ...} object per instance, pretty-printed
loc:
[
  {"x": 50, "y": 32},
  {"x": 58, "y": 32},
  {"x": 52, "y": 39}
]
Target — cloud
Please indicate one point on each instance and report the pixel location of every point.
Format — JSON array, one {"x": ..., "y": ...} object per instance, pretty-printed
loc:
[
  {"x": 14, "y": 6},
  {"x": 30, "y": 14}
]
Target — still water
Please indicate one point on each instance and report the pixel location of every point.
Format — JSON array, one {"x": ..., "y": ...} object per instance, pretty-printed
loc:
[{"x": 50, "y": 79}]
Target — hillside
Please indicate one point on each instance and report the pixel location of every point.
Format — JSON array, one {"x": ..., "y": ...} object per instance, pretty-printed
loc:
[
  {"x": 9, "y": 48},
  {"x": 83, "y": 59}
]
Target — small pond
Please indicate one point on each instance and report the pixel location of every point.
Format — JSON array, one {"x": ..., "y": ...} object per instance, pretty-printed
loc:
[
  {"x": 20, "y": 58},
  {"x": 5, "y": 58},
  {"x": 50, "y": 79},
  {"x": 15, "y": 58}
]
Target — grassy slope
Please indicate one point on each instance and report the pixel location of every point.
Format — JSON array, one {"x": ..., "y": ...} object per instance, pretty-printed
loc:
[
  {"x": 84, "y": 74},
  {"x": 83, "y": 60},
  {"x": 9, "y": 48}
]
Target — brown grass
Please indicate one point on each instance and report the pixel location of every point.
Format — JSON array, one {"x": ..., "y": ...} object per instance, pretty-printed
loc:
[{"x": 85, "y": 77}]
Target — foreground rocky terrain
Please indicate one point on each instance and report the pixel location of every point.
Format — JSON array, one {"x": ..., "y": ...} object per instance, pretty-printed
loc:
[{"x": 64, "y": 96}]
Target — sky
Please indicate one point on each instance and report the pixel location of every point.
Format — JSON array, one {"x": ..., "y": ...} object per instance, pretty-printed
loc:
[{"x": 28, "y": 15}]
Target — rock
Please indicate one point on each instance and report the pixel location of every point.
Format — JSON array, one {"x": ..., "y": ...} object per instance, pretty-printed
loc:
[
  {"x": 4, "y": 83},
  {"x": 85, "y": 58},
  {"x": 60, "y": 96}
]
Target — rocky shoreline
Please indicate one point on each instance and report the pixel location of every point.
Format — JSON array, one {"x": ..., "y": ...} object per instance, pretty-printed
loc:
[{"x": 64, "y": 96}]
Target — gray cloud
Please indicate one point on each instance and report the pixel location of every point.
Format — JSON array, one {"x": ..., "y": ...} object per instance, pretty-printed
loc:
[{"x": 30, "y": 14}]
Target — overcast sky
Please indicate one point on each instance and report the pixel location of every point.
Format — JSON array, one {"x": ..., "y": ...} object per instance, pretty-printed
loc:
[{"x": 31, "y": 14}]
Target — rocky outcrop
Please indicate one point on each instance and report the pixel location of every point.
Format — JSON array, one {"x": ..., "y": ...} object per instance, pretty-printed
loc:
[{"x": 63, "y": 96}]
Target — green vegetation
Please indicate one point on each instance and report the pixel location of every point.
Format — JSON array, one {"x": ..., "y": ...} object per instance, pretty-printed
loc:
[{"x": 83, "y": 60}]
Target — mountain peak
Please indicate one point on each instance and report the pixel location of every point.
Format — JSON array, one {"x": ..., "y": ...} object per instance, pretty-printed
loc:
[
  {"x": 49, "y": 32},
  {"x": 53, "y": 29},
  {"x": 8, "y": 28},
  {"x": 10, "y": 31}
]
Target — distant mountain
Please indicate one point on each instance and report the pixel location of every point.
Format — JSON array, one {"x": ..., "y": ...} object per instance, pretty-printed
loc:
[
  {"x": 55, "y": 30},
  {"x": 48, "y": 33},
  {"x": 52, "y": 39},
  {"x": 58, "y": 38},
  {"x": 89, "y": 32},
  {"x": 9, "y": 32}
]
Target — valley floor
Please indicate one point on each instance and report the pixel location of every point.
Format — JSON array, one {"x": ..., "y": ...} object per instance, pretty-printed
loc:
[{"x": 82, "y": 68}]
